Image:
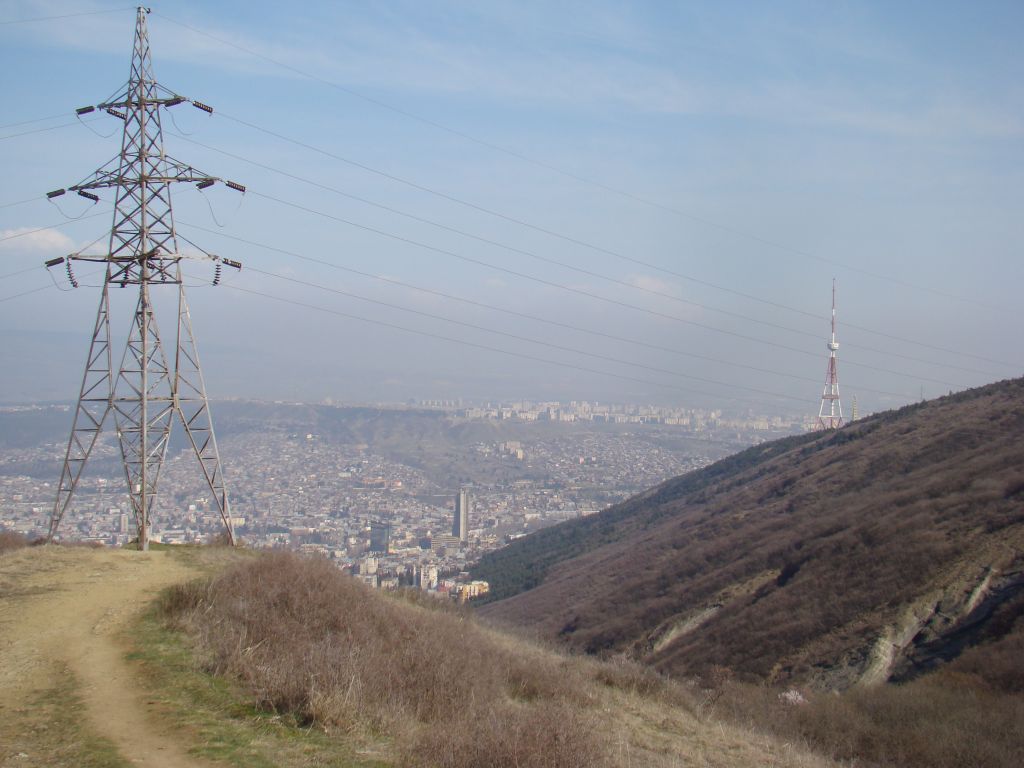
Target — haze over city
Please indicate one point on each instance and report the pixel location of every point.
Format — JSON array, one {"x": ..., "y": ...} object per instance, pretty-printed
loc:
[
  {"x": 596, "y": 385},
  {"x": 484, "y": 171}
]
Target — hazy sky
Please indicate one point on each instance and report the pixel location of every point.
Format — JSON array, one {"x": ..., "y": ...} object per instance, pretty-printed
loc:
[{"x": 706, "y": 169}]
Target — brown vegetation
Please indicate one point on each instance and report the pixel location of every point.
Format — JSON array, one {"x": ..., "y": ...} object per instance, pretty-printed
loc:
[
  {"x": 10, "y": 541},
  {"x": 793, "y": 560},
  {"x": 946, "y": 720},
  {"x": 314, "y": 644}
]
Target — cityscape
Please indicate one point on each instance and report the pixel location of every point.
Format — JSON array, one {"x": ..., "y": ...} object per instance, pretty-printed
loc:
[
  {"x": 382, "y": 506},
  {"x": 582, "y": 386}
]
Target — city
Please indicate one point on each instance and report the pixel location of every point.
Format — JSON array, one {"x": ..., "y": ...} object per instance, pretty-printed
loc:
[{"x": 374, "y": 489}]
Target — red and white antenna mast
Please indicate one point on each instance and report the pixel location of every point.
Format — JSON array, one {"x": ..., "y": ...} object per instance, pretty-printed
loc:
[{"x": 830, "y": 414}]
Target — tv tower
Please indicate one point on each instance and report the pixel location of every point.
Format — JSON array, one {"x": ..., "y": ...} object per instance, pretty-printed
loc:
[
  {"x": 830, "y": 414},
  {"x": 146, "y": 393}
]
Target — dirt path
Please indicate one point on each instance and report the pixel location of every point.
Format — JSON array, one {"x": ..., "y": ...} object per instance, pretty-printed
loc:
[{"x": 62, "y": 609}]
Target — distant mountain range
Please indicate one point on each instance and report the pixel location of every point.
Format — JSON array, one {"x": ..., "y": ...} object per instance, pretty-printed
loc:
[{"x": 875, "y": 552}]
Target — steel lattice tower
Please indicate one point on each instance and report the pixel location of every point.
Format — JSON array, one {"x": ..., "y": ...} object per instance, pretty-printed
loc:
[
  {"x": 830, "y": 414},
  {"x": 148, "y": 390}
]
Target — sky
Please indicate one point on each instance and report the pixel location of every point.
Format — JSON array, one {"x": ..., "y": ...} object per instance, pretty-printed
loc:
[{"x": 638, "y": 202}]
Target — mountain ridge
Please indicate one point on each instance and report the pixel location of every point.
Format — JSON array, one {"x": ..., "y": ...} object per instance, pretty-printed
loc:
[{"x": 859, "y": 555}]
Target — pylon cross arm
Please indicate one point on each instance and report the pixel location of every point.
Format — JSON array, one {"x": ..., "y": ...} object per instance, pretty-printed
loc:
[{"x": 172, "y": 172}]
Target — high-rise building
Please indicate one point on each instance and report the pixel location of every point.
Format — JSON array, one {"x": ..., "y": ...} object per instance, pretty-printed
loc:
[
  {"x": 460, "y": 526},
  {"x": 380, "y": 535}
]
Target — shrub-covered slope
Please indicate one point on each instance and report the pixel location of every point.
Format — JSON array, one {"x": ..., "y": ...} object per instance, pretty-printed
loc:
[
  {"x": 417, "y": 682},
  {"x": 872, "y": 552}
]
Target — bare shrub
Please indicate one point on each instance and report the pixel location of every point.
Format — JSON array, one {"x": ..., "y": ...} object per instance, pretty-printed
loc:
[
  {"x": 548, "y": 734},
  {"x": 10, "y": 541},
  {"x": 621, "y": 672},
  {"x": 941, "y": 721},
  {"x": 999, "y": 664},
  {"x": 310, "y": 642},
  {"x": 220, "y": 539}
]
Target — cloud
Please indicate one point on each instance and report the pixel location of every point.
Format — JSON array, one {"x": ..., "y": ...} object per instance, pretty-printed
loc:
[
  {"x": 605, "y": 59},
  {"x": 172, "y": 40},
  {"x": 654, "y": 285},
  {"x": 36, "y": 240}
]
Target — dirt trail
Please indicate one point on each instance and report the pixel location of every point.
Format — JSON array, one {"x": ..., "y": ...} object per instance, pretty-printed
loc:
[{"x": 63, "y": 608}]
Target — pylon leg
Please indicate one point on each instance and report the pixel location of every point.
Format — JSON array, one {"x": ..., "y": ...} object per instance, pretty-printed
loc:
[
  {"x": 90, "y": 412},
  {"x": 193, "y": 408}
]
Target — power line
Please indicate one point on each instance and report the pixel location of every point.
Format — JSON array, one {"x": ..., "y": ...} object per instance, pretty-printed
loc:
[
  {"x": 507, "y": 270},
  {"x": 66, "y": 16},
  {"x": 20, "y": 272},
  {"x": 598, "y": 248},
  {"x": 542, "y": 281},
  {"x": 51, "y": 226},
  {"x": 581, "y": 270},
  {"x": 475, "y": 345},
  {"x": 576, "y": 177},
  {"x": 497, "y": 244},
  {"x": 583, "y": 243},
  {"x": 90, "y": 273},
  {"x": 26, "y": 293},
  {"x": 514, "y": 313},
  {"x": 483, "y": 305},
  {"x": 571, "y": 289},
  {"x": 506, "y": 217},
  {"x": 33, "y": 120},
  {"x": 35, "y": 199},
  {"x": 518, "y": 337},
  {"x": 44, "y": 130}
]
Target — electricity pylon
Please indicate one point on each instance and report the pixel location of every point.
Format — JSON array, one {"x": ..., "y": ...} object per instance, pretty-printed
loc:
[
  {"x": 146, "y": 393},
  {"x": 830, "y": 413}
]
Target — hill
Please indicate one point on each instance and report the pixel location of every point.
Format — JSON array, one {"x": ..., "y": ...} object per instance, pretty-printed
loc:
[
  {"x": 876, "y": 552},
  {"x": 189, "y": 657}
]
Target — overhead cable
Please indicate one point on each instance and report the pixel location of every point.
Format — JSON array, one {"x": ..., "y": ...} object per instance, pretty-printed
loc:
[
  {"x": 568, "y": 288},
  {"x": 486, "y": 347},
  {"x": 51, "y": 226},
  {"x": 576, "y": 177},
  {"x": 513, "y": 312},
  {"x": 66, "y": 16},
  {"x": 598, "y": 248},
  {"x": 527, "y": 339},
  {"x": 581, "y": 270}
]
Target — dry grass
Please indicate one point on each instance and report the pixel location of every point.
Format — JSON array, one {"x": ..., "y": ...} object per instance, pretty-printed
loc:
[
  {"x": 420, "y": 684},
  {"x": 312, "y": 643},
  {"x": 945, "y": 720},
  {"x": 46, "y": 728}
]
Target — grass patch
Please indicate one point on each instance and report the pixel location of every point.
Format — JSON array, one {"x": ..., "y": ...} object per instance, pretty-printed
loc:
[
  {"x": 208, "y": 559},
  {"x": 217, "y": 714},
  {"x": 49, "y": 730}
]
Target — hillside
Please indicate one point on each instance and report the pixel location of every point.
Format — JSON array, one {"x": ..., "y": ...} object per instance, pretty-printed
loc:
[
  {"x": 872, "y": 553},
  {"x": 192, "y": 657}
]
